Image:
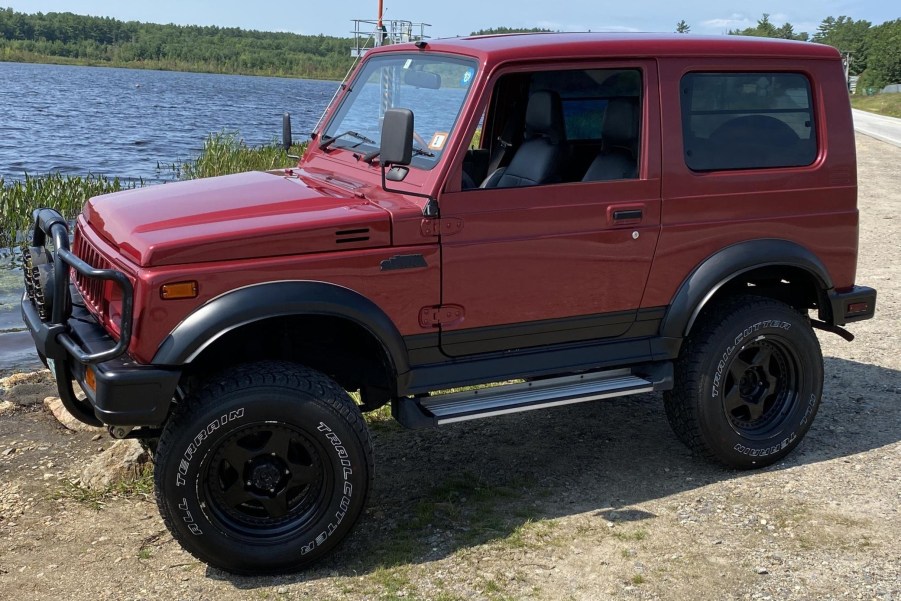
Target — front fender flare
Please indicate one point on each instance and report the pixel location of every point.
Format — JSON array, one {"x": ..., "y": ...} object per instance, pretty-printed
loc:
[
  {"x": 278, "y": 299},
  {"x": 721, "y": 267}
]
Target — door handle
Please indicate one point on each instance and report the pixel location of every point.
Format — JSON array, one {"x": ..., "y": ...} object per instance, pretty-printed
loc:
[{"x": 627, "y": 215}]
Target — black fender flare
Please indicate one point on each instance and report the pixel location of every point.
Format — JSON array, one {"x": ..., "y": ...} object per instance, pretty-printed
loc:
[
  {"x": 721, "y": 267},
  {"x": 278, "y": 299}
]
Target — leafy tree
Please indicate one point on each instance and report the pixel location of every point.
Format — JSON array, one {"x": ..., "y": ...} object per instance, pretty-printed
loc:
[
  {"x": 503, "y": 30},
  {"x": 765, "y": 29},
  {"x": 70, "y": 38},
  {"x": 847, "y": 35},
  {"x": 884, "y": 56},
  {"x": 683, "y": 27}
]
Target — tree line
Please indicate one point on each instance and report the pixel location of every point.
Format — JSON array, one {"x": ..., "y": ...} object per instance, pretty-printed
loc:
[
  {"x": 78, "y": 39},
  {"x": 874, "y": 52}
]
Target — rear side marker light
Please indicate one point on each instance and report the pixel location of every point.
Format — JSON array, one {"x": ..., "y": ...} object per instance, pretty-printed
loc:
[
  {"x": 855, "y": 308},
  {"x": 178, "y": 290}
]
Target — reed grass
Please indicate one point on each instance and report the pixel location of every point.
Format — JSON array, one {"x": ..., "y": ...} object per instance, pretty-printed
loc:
[
  {"x": 222, "y": 154},
  {"x": 65, "y": 193},
  {"x": 225, "y": 152}
]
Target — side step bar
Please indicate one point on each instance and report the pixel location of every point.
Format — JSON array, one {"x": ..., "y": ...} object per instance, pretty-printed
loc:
[{"x": 429, "y": 411}]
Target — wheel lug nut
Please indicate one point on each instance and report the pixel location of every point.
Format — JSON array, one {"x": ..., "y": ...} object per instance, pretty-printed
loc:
[{"x": 249, "y": 483}]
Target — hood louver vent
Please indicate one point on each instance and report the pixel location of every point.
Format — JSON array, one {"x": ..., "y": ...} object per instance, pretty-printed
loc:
[{"x": 348, "y": 236}]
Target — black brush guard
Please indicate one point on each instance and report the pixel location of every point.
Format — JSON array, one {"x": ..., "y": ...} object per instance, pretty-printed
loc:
[{"x": 71, "y": 339}]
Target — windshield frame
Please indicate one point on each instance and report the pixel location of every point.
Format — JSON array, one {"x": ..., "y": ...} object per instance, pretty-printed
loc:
[{"x": 426, "y": 157}]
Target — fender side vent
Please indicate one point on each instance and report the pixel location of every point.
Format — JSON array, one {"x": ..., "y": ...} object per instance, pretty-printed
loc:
[{"x": 348, "y": 236}]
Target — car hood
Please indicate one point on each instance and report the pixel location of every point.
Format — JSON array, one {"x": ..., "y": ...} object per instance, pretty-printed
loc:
[{"x": 243, "y": 216}]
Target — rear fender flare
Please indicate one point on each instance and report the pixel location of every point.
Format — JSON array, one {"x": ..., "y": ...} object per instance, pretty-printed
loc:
[
  {"x": 246, "y": 305},
  {"x": 724, "y": 265}
]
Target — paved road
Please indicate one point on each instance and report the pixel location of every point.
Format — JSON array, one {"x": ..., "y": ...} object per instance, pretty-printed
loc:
[{"x": 887, "y": 129}]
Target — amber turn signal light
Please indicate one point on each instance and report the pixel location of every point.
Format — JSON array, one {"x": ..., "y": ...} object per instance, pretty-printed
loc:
[
  {"x": 178, "y": 290},
  {"x": 90, "y": 379}
]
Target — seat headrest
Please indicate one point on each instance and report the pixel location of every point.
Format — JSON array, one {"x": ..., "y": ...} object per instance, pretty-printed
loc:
[
  {"x": 544, "y": 116},
  {"x": 620, "y": 127}
]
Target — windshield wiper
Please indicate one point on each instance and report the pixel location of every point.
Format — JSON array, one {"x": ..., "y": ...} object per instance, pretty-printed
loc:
[
  {"x": 350, "y": 133},
  {"x": 370, "y": 156}
]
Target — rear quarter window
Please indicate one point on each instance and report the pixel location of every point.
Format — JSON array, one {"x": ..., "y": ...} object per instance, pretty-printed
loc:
[{"x": 747, "y": 121}]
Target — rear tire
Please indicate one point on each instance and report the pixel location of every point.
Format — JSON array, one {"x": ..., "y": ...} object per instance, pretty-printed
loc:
[
  {"x": 748, "y": 383},
  {"x": 264, "y": 469}
]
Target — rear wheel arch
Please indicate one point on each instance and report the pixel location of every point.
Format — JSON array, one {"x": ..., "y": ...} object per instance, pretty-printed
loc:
[{"x": 773, "y": 268}]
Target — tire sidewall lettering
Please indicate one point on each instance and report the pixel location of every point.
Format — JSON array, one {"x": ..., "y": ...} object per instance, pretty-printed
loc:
[
  {"x": 191, "y": 451},
  {"x": 346, "y": 472}
]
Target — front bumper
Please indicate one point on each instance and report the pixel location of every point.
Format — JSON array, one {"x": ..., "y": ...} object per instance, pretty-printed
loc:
[{"x": 73, "y": 343}]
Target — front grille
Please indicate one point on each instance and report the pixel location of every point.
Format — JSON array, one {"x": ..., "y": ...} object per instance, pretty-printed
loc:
[{"x": 91, "y": 289}]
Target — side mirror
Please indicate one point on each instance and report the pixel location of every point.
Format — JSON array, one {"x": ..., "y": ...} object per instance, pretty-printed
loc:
[
  {"x": 286, "y": 131},
  {"x": 396, "y": 145}
]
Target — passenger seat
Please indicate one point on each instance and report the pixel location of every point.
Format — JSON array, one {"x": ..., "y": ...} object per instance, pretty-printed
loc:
[{"x": 619, "y": 143}]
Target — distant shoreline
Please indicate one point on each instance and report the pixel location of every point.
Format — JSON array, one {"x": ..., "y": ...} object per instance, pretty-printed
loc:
[{"x": 41, "y": 59}]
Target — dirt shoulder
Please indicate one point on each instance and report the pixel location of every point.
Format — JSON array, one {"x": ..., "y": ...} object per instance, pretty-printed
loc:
[{"x": 587, "y": 502}]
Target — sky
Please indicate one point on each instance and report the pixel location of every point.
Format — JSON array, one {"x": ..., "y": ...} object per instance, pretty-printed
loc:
[{"x": 452, "y": 18}]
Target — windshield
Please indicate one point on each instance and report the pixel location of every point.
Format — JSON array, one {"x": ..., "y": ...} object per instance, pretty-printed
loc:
[{"x": 432, "y": 86}]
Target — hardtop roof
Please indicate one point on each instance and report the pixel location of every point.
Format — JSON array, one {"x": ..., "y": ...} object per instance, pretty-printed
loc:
[{"x": 503, "y": 47}]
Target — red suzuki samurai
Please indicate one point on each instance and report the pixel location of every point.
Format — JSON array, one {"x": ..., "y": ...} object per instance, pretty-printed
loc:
[{"x": 574, "y": 216}]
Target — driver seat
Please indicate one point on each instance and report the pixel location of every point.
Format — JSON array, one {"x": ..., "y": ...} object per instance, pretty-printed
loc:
[{"x": 538, "y": 159}]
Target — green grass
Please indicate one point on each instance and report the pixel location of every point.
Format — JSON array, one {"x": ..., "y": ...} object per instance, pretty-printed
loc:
[
  {"x": 222, "y": 154},
  {"x": 141, "y": 486},
  {"x": 882, "y": 104},
  {"x": 65, "y": 193},
  {"x": 226, "y": 153},
  {"x": 631, "y": 535}
]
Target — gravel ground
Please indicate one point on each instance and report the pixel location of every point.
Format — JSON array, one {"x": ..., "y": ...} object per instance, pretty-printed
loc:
[{"x": 586, "y": 502}]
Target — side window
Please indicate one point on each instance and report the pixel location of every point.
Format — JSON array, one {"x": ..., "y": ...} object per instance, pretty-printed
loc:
[
  {"x": 549, "y": 127},
  {"x": 747, "y": 121}
]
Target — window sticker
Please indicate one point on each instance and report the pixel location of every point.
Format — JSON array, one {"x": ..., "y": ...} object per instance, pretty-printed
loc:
[
  {"x": 467, "y": 77},
  {"x": 408, "y": 63},
  {"x": 438, "y": 140}
]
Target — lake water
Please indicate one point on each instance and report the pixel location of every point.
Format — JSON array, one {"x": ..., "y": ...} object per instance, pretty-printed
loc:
[{"x": 122, "y": 122}]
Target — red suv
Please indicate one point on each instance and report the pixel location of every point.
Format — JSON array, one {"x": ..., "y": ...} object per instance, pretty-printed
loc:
[{"x": 575, "y": 216}]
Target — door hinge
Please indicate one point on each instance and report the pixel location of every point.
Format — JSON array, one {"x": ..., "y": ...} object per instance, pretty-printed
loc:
[
  {"x": 443, "y": 226},
  {"x": 443, "y": 315}
]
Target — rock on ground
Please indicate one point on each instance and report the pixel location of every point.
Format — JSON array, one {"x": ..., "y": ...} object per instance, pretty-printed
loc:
[
  {"x": 62, "y": 415},
  {"x": 123, "y": 461}
]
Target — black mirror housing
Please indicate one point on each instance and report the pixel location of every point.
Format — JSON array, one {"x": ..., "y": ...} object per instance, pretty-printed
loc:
[
  {"x": 287, "y": 142},
  {"x": 396, "y": 145}
]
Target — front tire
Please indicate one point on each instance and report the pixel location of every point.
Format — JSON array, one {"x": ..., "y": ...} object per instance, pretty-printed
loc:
[
  {"x": 748, "y": 383},
  {"x": 265, "y": 469}
]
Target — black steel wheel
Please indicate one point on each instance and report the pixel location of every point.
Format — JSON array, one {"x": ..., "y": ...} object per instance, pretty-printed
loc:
[
  {"x": 264, "y": 470},
  {"x": 748, "y": 383}
]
